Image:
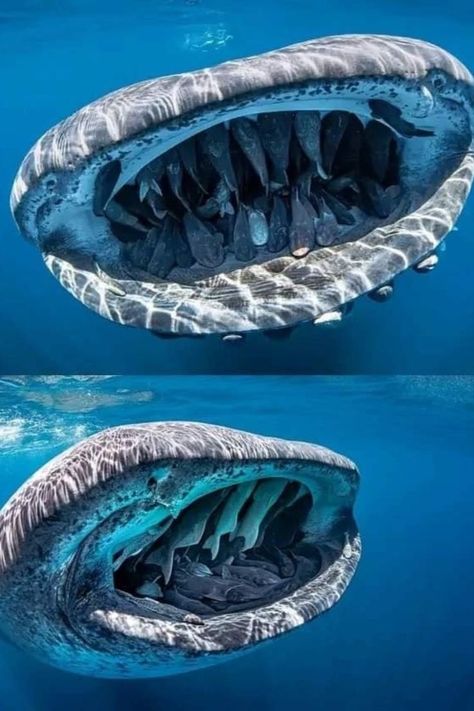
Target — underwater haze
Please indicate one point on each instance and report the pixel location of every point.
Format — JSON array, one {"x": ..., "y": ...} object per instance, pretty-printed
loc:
[
  {"x": 61, "y": 54},
  {"x": 401, "y": 636}
]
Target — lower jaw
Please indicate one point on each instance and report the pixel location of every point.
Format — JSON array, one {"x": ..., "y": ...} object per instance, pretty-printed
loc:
[
  {"x": 193, "y": 641},
  {"x": 279, "y": 293}
]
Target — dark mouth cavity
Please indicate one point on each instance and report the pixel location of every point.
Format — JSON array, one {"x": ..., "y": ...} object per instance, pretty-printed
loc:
[
  {"x": 255, "y": 187},
  {"x": 235, "y": 549}
]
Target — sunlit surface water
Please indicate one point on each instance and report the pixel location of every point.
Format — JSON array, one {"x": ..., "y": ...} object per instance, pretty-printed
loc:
[
  {"x": 62, "y": 54},
  {"x": 401, "y": 637}
]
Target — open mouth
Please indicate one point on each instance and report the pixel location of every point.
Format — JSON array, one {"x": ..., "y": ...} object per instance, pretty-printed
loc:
[
  {"x": 258, "y": 194},
  {"x": 264, "y": 185},
  {"x": 236, "y": 549},
  {"x": 151, "y": 549}
]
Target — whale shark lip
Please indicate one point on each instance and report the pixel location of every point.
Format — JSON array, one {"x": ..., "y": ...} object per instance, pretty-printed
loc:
[
  {"x": 167, "y": 206},
  {"x": 72, "y": 533}
]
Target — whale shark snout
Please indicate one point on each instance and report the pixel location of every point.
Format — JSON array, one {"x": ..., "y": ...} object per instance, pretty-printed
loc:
[{"x": 154, "y": 549}]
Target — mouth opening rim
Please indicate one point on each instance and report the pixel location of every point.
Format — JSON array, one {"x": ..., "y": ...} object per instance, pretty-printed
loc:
[
  {"x": 184, "y": 224},
  {"x": 250, "y": 550}
]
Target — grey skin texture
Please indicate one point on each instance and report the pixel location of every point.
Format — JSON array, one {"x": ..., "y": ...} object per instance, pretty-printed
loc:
[
  {"x": 424, "y": 94},
  {"x": 59, "y": 531}
]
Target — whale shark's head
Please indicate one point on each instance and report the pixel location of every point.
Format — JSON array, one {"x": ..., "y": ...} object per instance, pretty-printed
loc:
[
  {"x": 154, "y": 549},
  {"x": 256, "y": 194}
]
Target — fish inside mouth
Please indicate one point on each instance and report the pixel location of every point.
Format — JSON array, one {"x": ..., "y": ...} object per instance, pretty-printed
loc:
[
  {"x": 234, "y": 549},
  {"x": 253, "y": 188}
]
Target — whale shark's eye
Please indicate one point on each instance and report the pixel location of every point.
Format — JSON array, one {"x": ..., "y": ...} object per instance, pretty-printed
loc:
[
  {"x": 257, "y": 194},
  {"x": 151, "y": 549},
  {"x": 235, "y": 549}
]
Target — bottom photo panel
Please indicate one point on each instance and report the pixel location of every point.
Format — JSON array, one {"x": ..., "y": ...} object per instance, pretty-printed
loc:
[{"x": 216, "y": 542}]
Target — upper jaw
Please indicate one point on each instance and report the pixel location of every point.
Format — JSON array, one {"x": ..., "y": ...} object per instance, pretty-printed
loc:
[
  {"x": 335, "y": 58},
  {"x": 414, "y": 99}
]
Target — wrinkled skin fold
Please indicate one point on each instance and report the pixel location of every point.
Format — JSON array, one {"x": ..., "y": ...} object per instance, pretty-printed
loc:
[
  {"x": 153, "y": 549},
  {"x": 256, "y": 194}
]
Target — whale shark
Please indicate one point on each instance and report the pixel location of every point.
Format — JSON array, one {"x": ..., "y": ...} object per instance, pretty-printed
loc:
[
  {"x": 158, "y": 548},
  {"x": 257, "y": 194}
]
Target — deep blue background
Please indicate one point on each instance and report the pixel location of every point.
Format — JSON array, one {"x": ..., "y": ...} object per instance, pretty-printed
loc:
[
  {"x": 401, "y": 637},
  {"x": 58, "y": 55}
]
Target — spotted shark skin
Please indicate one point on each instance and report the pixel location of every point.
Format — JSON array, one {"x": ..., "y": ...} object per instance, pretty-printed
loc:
[
  {"x": 56, "y": 600},
  {"x": 157, "y": 114}
]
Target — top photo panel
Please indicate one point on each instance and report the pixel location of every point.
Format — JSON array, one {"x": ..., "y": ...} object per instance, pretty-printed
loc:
[{"x": 205, "y": 186}]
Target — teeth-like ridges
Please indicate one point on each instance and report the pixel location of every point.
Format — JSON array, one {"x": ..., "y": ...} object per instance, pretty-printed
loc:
[
  {"x": 227, "y": 521},
  {"x": 228, "y": 550},
  {"x": 265, "y": 496},
  {"x": 287, "y": 182}
]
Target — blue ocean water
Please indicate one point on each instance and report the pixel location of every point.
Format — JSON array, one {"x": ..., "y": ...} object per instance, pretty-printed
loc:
[
  {"x": 60, "y": 54},
  {"x": 400, "y": 638}
]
